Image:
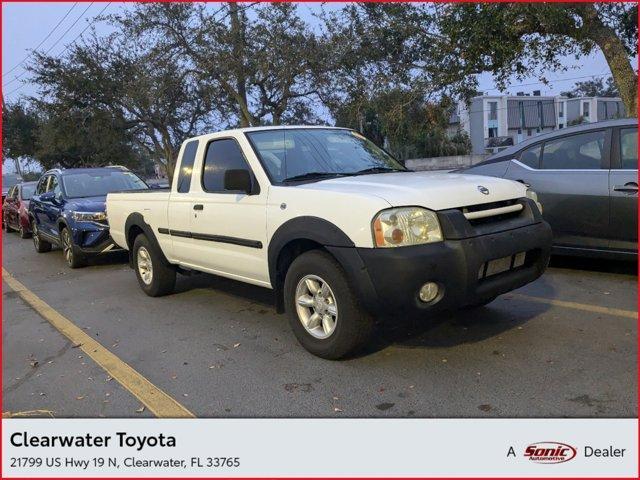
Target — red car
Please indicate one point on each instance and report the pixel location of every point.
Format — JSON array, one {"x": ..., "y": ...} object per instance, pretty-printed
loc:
[{"x": 15, "y": 210}]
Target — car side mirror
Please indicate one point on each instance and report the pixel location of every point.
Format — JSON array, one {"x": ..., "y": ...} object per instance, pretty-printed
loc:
[
  {"x": 238, "y": 180},
  {"x": 47, "y": 197}
]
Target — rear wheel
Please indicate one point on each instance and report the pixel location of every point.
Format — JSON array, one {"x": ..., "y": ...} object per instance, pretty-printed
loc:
[
  {"x": 23, "y": 231},
  {"x": 154, "y": 276},
  {"x": 6, "y": 226},
  {"x": 323, "y": 311},
  {"x": 72, "y": 254},
  {"x": 40, "y": 245}
]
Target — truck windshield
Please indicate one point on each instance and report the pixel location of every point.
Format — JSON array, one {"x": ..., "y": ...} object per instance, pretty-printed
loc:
[
  {"x": 99, "y": 183},
  {"x": 301, "y": 154}
]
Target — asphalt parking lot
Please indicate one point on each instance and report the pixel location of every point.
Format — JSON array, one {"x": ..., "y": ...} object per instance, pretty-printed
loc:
[{"x": 564, "y": 346}]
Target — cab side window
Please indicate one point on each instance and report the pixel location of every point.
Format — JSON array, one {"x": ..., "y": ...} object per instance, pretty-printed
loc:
[
  {"x": 222, "y": 155},
  {"x": 186, "y": 166},
  {"x": 576, "y": 152},
  {"x": 531, "y": 156},
  {"x": 629, "y": 149}
]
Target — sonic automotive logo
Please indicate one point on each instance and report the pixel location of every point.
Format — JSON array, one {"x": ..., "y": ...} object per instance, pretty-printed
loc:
[{"x": 550, "y": 452}]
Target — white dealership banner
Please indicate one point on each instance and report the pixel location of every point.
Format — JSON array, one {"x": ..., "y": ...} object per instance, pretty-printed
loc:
[{"x": 319, "y": 447}]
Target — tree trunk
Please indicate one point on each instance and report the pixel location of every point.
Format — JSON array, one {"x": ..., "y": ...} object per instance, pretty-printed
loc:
[
  {"x": 239, "y": 41},
  {"x": 614, "y": 52}
]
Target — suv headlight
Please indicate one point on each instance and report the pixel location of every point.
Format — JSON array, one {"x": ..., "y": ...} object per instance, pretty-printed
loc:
[
  {"x": 89, "y": 216},
  {"x": 534, "y": 196},
  {"x": 400, "y": 227}
]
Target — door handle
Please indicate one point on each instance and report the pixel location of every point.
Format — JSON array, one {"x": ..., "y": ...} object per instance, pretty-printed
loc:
[
  {"x": 523, "y": 182},
  {"x": 629, "y": 187},
  {"x": 199, "y": 206}
]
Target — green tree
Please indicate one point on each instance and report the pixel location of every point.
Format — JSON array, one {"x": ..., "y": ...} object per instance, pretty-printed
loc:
[
  {"x": 19, "y": 130},
  {"x": 121, "y": 81},
  {"x": 593, "y": 88},
  {"x": 522, "y": 38},
  {"x": 263, "y": 60}
]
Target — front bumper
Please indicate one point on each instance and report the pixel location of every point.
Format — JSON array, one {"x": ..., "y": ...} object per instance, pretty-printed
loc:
[
  {"x": 389, "y": 279},
  {"x": 93, "y": 239}
]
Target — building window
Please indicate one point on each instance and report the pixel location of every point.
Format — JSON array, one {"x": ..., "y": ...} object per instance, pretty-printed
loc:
[
  {"x": 493, "y": 110},
  {"x": 493, "y": 132},
  {"x": 561, "y": 125},
  {"x": 561, "y": 110},
  {"x": 585, "y": 109},
  {"x": 529, "y": 133}
]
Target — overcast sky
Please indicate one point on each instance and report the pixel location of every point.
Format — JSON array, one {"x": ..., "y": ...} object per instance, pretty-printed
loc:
[{"x": 25, "y": 26}]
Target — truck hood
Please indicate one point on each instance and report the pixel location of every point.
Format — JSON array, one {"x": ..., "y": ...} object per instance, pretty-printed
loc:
[{"x": 435, "y": 191}]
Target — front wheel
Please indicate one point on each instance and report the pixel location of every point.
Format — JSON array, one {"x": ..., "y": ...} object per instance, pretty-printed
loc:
[
  {"x": 323, "y": 311},
  {"x": 72, "y": 254},
  {"x": 40, "y": 245},
  {"x": 5, "y": 225},
  {"x": 155, "y": 278}
]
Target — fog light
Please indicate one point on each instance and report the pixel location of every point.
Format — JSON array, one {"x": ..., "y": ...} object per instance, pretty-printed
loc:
[{"x": 428, "y": 292}]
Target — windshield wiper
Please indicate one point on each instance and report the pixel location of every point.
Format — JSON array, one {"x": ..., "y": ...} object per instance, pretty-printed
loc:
[
  {"x": 380, "y": 170},
  {"x": 314, "y": 175}
]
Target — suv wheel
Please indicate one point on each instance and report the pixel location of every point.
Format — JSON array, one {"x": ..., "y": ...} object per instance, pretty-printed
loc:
[
  {"x": 155, "y": 278},
  {"x": 40, "y": 245},
  {"x": 72, "y": 254},
  {"x": 323, "y": 311}
]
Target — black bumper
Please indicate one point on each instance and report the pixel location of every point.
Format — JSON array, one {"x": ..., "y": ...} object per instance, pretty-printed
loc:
[{"x": 389, "y": 279}]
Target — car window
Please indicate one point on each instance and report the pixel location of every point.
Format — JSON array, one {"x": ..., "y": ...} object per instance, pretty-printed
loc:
[
  {"x": 575, "y": 152},
  {"x": 531, "y": 156},
  {"x": 98, "y": 183},
  {"x": 54, "y": 185},
  {"x": 186, "y": 166},
  {"x": 14, "y": 193},
  {"x": 27, "y": 191},
  {"x": 629, "y": 148},
  {"x": 222, "y": 155},
  {"x": 42, "y": 185}
]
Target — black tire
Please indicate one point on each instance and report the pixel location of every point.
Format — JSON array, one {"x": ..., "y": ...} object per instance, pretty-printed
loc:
[
  {"x": 41, "y": 246},
  {"x": 353, "y": 325},
  {"x": 72, "y": 254},
  {"x": 23, "y": 233},
  {"x": 163, "y": 277},
  {"x": 6, "y": 227}
]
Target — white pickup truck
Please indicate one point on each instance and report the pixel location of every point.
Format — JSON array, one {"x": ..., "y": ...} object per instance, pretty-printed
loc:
[{"x": 340, "y": 230}]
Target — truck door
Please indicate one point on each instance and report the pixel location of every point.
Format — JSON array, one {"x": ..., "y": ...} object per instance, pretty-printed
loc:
[
  {"x": 228, "y": 228},
  {"x": 623, "y": 188}
]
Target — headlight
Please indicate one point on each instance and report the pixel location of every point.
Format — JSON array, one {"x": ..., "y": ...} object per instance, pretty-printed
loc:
[
  {"x": 534, "y": 196},
  {"x": 89, "y": 216},
  {"x": 400, "y": 227}
]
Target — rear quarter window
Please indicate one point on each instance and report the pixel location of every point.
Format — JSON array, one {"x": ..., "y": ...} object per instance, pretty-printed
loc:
[{"x": 186, "y": 166}]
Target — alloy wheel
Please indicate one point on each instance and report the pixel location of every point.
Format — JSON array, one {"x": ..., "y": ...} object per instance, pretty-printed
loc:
[
  {"x": 316, "y": 306},
  {"x": 145, "y": 266},
  {"x": 67, "y": 247},
  {"x": 36, "y": 237}
]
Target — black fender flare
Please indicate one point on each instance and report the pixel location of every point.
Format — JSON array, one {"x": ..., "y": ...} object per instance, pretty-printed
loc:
[
  {"x": 136, "y": 219},
  {"x": 315, "y": 229}
]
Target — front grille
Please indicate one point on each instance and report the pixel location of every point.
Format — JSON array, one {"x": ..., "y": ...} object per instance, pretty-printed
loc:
[{"x": 492, "y": 212}]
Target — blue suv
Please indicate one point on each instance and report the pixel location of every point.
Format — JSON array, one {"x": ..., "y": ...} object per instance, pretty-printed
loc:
[{"x": 68, "y": 209}]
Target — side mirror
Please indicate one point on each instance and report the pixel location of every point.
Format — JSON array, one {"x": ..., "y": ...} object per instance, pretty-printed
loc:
[
  {"x": 238, "y": 180},
  {"x": 47, "y": 197}
]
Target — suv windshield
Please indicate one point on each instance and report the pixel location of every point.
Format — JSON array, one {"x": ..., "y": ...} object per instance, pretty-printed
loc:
[
  {"x": 318, "y": 153},
  {"x": 99, "y": 183}
]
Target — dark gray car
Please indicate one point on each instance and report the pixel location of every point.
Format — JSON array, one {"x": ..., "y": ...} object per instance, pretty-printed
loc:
[{"x": 586, "y": 178}]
